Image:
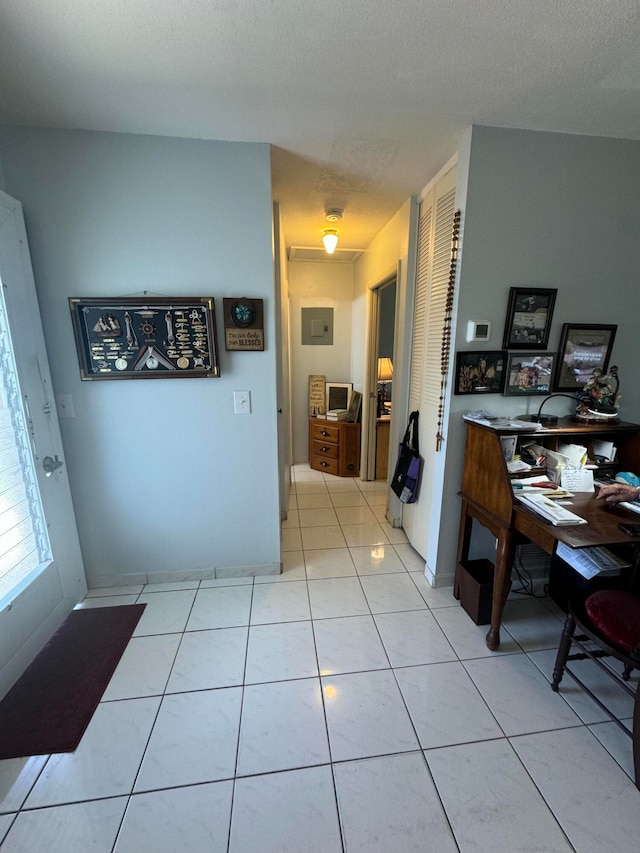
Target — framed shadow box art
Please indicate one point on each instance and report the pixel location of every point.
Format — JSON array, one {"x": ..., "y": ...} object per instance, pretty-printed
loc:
[
  {"x": 583, "y": 348},
  {"x": 529, "y": 315},
  {"x": 480, "y": 372},
  {"x": 530, "y": 373},
  {"x": 145, "y": 338}
]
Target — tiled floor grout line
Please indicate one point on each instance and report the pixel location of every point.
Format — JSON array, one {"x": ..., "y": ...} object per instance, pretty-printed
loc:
[{"x": 332, "y": 763}]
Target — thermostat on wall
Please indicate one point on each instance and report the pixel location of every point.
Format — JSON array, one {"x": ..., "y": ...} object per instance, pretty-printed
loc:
[{"x": 478, "y": 330}]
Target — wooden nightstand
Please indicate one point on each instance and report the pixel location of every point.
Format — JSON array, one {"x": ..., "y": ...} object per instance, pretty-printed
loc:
[{"x": 334, "y": 447}]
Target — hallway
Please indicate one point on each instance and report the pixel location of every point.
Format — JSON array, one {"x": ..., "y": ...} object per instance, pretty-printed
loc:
[{"x": 342, "y": 706}]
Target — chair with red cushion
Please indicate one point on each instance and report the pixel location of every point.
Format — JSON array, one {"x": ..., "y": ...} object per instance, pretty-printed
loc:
[{"x": 608, "y": 626}]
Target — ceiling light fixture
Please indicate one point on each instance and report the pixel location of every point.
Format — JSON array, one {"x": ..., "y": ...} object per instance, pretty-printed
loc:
[
  {"x": 330, "y": 235},
  {"x": 330, "y": 240}
]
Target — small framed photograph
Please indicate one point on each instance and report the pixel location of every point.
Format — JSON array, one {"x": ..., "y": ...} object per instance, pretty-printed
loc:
[
  {"x": 480, "y": 372},
  {"x": 530, "y": 373},
  {"x": 338, "y": 395},
  {"x": 353, "y": 415},
  {"x": 529, "y": 316},
  {"x": 583, "y": 348}
]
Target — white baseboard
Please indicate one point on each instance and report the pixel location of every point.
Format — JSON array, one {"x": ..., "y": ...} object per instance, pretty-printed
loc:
[{"x": 137, "y": 578}]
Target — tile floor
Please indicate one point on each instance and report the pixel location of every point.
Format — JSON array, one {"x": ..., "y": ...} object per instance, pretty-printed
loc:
[{"x": 342, "y": 706}]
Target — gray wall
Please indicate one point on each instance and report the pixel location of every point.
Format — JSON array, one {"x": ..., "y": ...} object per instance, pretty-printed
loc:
[
  {"x": 165, "y": 478},
  {"x": 545, "y": 210}
]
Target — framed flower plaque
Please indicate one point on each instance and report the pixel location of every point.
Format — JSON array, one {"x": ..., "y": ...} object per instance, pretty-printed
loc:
[{"x": 243, "y": 324}]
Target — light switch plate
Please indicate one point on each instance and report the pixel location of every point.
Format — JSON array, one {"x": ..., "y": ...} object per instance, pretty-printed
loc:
[
  {"x": 478, "y": 330},
  {"x": 64, "y": 405}
]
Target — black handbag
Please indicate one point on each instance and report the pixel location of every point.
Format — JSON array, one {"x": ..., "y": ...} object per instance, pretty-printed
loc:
[{"x": 406, "y": 477}]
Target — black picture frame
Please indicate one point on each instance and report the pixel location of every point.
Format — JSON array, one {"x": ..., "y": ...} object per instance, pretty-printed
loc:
[
  {"x": 530, "y": 373},
  {"x": 529, "y": 315},
  {"x": 145, "y": 338},
  {"x": 583, "y": 348},
  {"x": 480, "y": 372}
]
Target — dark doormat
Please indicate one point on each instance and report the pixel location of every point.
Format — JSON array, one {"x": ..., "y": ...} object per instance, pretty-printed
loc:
[{"x": 50, "y": 706}]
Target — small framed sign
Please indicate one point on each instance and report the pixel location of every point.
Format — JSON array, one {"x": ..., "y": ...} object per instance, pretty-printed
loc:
[
  {"x": 316, "y": 396},
  {"x": 243, "y": 324}
]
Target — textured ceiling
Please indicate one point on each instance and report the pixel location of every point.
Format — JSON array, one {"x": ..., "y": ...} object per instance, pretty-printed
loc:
[{"x": 362, "y": 100}]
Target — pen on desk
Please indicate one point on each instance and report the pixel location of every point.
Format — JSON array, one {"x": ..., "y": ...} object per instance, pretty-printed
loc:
[{"x": 550, "y": 486}]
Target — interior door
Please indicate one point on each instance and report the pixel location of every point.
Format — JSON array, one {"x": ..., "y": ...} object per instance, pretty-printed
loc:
[
  {"x": 41, "y": 561},
  {"x": 281, "y": 289}
]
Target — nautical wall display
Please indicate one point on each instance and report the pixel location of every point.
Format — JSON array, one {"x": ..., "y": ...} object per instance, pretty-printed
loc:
[{"x": 150, "y": 338}]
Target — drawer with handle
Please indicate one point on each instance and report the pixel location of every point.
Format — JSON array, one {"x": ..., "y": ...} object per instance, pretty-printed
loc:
[
  {"x": 323, "y": 432},
  {"x": 320, "y": 448},
  {"x": 326, "y": 464}
]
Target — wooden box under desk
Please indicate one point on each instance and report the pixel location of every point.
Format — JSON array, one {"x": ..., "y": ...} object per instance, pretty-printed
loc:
[
  {"x": 334, "y": 447},
  {"x": 487, "y": 497}
]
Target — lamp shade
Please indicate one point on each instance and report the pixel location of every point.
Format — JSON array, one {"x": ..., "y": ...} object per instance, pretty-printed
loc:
[
  {"x": 385, "y": 370},
  {"x": 330, "y": 240}
]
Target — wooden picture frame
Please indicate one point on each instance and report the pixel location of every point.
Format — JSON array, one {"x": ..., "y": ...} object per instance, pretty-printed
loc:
[
  {"x": 529, "y": 315},
  {"x": 480, "y": 372},
  {"x": 583, "y": 348},
  {"x": 530, "y": 373},
  {"x": 145, "y": 338},
  {"x": 355, "y": 406},
  {"x": 338, "y": 395}
]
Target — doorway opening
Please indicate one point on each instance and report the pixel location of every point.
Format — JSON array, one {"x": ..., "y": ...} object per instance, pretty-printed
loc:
[{"x": 383, "y": 317}]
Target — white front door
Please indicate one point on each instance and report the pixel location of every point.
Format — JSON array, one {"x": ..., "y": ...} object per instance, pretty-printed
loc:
[{"x": 41, "y": 571}]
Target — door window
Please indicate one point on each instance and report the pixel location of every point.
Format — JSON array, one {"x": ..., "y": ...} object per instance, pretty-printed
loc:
[{"x": 24, "y": 543}]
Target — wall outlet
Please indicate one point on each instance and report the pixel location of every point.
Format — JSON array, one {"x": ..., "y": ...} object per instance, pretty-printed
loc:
[
  {"x": 64, "y": 405},
  {"x": 242, "y": 402}
]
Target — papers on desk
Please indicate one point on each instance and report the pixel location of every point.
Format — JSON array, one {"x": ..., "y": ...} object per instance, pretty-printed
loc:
[
  {"x": 552, "y": 511},
  {"x": 501, "y": 422},
  {"x": 593, "y": 561},
  {"x": 577, "y": 480},
  {"x": 538, "y": 486},
  {"x": 516, "y": 466},
  {"x": 634, "y": 506},
  {"x": 604, "y": 449},
  {"x": 576, "y": 454}
]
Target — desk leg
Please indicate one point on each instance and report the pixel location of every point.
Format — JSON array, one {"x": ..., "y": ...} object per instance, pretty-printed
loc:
[
  {"x": 505, "y": 555},
  {"x": 464, "y": 540}
]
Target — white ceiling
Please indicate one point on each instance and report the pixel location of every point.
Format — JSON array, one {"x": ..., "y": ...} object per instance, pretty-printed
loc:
[{"x": 363, "y": 100}]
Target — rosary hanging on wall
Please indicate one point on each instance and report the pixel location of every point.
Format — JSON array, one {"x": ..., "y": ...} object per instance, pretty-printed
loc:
[{"x": 446, "y": 330}]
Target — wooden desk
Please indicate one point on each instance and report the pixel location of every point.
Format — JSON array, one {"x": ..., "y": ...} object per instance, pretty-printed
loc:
[{"x": 488, "y": 498}]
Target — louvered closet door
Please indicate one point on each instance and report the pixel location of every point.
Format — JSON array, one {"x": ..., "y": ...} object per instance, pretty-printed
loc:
[{"x": 432, "y": 281}]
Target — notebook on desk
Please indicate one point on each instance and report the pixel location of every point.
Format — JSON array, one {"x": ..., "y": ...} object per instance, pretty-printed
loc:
[{"x": 550, "y": 510}]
